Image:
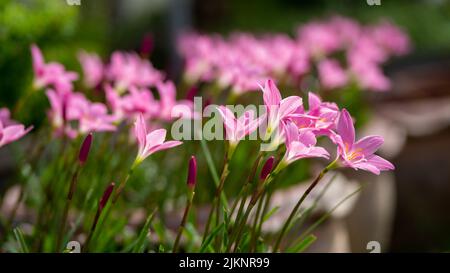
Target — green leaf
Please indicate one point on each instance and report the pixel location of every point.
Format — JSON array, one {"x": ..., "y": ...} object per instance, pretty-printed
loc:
[
  {"x": 210, "y": 237},
  {"x": 141, "y": 243},
  {"x": 213, "y": 170},
  {"x": 303, "y": 245},
  {"x": 270, "y": 213},
  {"x": 161, "y": 249},
  {"x": 20, "y": 239},
  {"x": 327, "y": 215}
]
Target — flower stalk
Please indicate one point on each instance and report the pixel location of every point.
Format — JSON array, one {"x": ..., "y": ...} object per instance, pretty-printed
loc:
[
  {"x": 82, "y": 158},
  {"x": 101, "y": 205},
  {"x": 191, "y": 181},
  {"x": 299, "y": 203}
]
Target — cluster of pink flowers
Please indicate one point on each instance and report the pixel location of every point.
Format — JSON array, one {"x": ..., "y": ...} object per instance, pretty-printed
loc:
[
  {"x": 10, "y": 130},
  {"x": 243, "y": 60},
  {"x": 126, "y": 80},
  {"x": 299, "y": 129}
]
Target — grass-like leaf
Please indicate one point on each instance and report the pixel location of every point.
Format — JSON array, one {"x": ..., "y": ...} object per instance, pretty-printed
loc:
[
  {"x": 20, "y": 240},
  {"x": 141, "y": 243},
  {"x": 207, "y": 244}
]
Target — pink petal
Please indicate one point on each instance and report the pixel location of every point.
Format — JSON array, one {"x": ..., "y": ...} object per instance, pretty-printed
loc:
[
  {"x": 140, "y": 132},
  {"x": 307, "y": 137},
  {"x": 314, "y": 101},
  {"x": 345, "y": 129},
  {"x": 164, "y": 146},
  {"x": 229, "y": 121},
  {"x": 368, "y": 145},
  {"x": 271, "y": 94},
  {"x": 381, "y": 163},
  {"x": 367, "y": 167},
  {"x": 38, "y": 59},
  {"x": 291, "y": 133},
  {"x": 289, "y": 105},
  {"x": 156, "y": 137}
]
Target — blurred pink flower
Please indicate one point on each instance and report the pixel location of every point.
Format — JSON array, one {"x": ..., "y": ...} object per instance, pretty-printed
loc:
[
  {"x": 140, "y": 101},
  {"x": 128, "y": 69},
  {"x": 169, "y": 108},
  {"x": 359, "y": 154},
  {"x": 91, "y": 116},
  {"x": 319, "y": 38},
  {"x": 370, "y": 76},
  {"x": 58, "y": 113},
  {"x": 5, "y": 117},
  {"x": 70, "y": 107},
  {"x": 92, "y": 69},
  {"x": 152, "y": 142},
  {"x": 237, "y": 128},
  {"x": 11, "y": 132},
  {"x": 50, "y": 74},
  {"x": 331, "y": 74},
  {"x": 391, "y": 38}
]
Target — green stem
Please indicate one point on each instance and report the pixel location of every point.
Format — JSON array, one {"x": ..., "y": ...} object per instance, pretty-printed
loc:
[
  {"x": 254, "y": 235},
  {"x": 183, "y": 222},
  {"x": 299, "y": 203},
  {"x": 217, "y": 198},
  {"x": 122, "y": 185},
  {"x": 72, "y": 187}
]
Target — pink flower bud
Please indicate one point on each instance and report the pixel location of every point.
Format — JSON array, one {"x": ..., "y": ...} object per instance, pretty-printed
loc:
[
  {"x": 267, "y": 168},
  {"x": 147, "y": 44},
  {"x": 106, "y": 195},
  {"x": 192, "y": 92},
  {"x": 192, "y": 173},
  {"x": 85, "y": 147}
]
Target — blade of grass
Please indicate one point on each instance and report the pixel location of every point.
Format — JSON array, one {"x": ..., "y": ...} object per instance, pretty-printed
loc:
[
  {"x": 303, "y": 245},
  {"x": 140, "y": 243},
  {"x": 327, "y": 215},
  {"x": 270, "y": 213},
  {"x": 19, "y": 238},
  {"x": 210, "y": 237},
  {"x": 213, "y": 170}
]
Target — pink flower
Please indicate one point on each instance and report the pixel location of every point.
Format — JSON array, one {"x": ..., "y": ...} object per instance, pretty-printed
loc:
[
  {"x": 331, "y": 74},
  {"x": 359, "y": 154},
  {"x": 57, "y": 114},
  {"x": 51, "y": 73},
  {"x": 92, "y": 69},
  {"x": 91, "y": 116},
  {"x": 319, "y": 38},
  {"x": 140, "y": 101},
  {"x": 5, "y": 117},
  {"x": 237, "y": 128},
  {"x": 320, "y": 117},
  {"x": 370, "y": 76},
  {"x": 150, "y": 143},
  {"x": 72, "y": 106},
  {"x": 391, "y": 38},
  {"x": 169, "y": 107},
  {"x": 277, "y": 109},
  {"x": 300, "y": 143},
  {"x": 12, "y": 132},
  {"x": 115, "y": 102},
  {"x": 128, "y": 69}
]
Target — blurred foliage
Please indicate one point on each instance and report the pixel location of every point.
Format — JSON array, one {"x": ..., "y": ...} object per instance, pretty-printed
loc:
[
  {"x": 426, "y": 21},
  {"x": 51, "y": 24}
]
